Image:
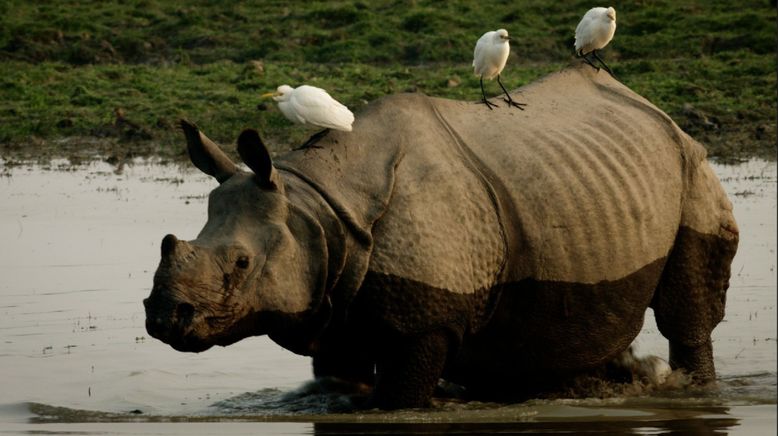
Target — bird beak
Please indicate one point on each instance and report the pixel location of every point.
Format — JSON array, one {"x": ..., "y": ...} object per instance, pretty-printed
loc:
[{"x": 269, "y": 94}]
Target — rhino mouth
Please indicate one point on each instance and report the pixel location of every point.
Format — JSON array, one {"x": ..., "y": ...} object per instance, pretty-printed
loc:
[
  {"x": 219, "y": 330},
  {"x": 179, "y": 337},
  {"x": 175, "y": 325},
  {"x": 189, "y": 343},
  {"x": 194, "y": 328},
  {"x": 216, "y": 322}
]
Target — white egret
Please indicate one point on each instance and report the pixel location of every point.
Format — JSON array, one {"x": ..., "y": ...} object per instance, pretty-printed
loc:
[
  {"x": 491, "y": 53},
  {"x": 311, "y": 105},
  {"x": 594, "y": 32}
]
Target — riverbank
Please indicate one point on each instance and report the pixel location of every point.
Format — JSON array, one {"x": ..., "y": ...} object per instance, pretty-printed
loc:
[{"x": 109, "y": 81}]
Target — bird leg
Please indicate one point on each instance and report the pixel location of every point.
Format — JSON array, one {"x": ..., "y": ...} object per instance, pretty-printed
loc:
[
  {"x": 594, "y": 52},
  {"x": 588, "y": 61},
  {"x": 509, "y": 100},
  {"x": 483, "y": 96},
  {"x": 311, "y": 142}
]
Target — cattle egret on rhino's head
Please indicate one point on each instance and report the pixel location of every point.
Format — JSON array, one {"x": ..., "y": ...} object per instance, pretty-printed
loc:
[
  {"x": 491, "y": 53},
  {"x": 594, "y": 32},
  {"x": 311, "y": 105}
]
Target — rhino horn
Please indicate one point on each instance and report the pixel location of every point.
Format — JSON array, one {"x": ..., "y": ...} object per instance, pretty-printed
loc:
[
  {"x": 174, "y": 249},
  {"x": 206, "y": 155},
  {"x": 257, "y": 157},
  {"x": 169, "y": 245}
]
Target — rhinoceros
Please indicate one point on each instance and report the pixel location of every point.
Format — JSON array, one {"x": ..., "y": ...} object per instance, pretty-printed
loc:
[{"x": 492, "y": 249}]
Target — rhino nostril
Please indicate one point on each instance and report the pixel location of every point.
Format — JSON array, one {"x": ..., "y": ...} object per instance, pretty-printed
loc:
[{"x": 185, "y": 312}]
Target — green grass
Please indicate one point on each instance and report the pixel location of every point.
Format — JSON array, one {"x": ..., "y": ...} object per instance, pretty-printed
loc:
[{"x": 65, "y": 67}]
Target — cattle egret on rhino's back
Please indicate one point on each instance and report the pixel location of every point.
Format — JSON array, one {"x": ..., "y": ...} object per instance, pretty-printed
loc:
[
  {"x": 491, "y": 53},
  {"x": 311, "y": 105},
  {"x": 594, "y": 32}
]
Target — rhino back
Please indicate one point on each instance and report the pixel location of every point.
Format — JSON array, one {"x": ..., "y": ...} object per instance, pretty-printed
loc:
[
  {"x": 574, "y": 202},
  {"x": 450, "y": 200},
  {"x": 593, "y": 176}
]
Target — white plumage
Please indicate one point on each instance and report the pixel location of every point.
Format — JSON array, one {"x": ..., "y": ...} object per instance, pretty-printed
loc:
[
  {"x": 595, "y": 30},
  {"x": 491, "y": 53},
  {"x": 489, "y": 58},
  {"x": 311, "y": 105}
]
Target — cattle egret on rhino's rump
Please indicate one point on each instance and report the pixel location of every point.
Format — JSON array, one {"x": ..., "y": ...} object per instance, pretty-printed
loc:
[
  {"x": 594, "y": 32},
  {"x": 491, "y": 53},
  {"x": 311, "y": 105}
]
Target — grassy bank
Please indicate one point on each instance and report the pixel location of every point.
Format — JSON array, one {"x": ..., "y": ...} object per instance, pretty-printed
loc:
[{"x": 111, "y": 79}]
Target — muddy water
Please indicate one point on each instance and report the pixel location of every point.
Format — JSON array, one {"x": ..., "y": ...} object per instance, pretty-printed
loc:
[{"x": 79, "y": 247}]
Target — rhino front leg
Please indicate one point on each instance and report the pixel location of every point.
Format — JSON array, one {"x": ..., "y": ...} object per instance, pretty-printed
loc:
[
  {"x": 345, "y": 363},
  {"x": 408, "y": 371}
]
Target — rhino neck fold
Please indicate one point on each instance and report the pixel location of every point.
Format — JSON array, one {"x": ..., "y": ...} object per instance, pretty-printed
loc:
[
  {"x": 348, "y": 244},
  {"x": 344, "y": 216},
  {"x": 304, "y": 196}
]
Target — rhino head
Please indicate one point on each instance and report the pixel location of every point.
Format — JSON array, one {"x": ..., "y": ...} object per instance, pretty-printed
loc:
[{"x": 257, "y": 267}]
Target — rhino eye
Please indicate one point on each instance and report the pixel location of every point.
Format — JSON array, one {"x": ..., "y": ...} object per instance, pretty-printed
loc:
[{"x": 242, "y": 262}]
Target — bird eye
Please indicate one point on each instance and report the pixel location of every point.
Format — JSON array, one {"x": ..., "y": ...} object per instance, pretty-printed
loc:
[{"x": 242, "y": 262}]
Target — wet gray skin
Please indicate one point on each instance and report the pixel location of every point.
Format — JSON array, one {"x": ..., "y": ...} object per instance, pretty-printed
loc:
[
  {"x": 501, "y": 250},
  {"x": 246, "y": 272}
]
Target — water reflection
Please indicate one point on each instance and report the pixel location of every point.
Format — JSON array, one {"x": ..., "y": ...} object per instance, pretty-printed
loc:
[
  {"x": 708, "y": 420},
  {"x": 702, "y": 425}
]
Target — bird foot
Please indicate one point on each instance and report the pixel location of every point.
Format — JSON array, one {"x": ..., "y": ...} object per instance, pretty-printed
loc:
[
  {"x": 514, "y": 103},
  {"x": 607, "y": 70},
  {"x": 488, "y": 103},
  {"x": 308, "y": 146},
  {"x": 311, "y": 142},
  {"x": 591, "y": 64}
]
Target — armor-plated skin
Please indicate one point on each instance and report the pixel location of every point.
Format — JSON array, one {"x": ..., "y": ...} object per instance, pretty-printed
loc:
[{"x": 500, "y": 250}]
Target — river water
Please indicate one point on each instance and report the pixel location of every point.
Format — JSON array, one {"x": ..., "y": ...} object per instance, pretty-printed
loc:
[{"x": 79, "y": 245}]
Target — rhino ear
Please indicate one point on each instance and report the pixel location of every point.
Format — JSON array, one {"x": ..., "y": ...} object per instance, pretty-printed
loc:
[
  {"x": 206, "y": 155},
  {"x": 257, "y": 157}
]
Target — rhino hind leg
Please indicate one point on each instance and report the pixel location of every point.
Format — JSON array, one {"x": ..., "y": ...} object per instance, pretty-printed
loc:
[
  {"x": 690, "y": 298},
  {"x": 697, "y": 360}
]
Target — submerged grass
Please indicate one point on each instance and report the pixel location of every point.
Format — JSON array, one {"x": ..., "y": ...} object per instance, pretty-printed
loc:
[{"x": 112, "y": 78}]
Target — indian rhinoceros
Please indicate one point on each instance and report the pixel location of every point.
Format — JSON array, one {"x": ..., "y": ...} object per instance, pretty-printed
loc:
[{"x": 439, "y": 239}]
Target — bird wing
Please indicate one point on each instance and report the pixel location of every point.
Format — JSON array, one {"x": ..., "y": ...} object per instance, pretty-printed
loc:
[
  {"x": 580, "y": 27},
  {"x": 594, "y": 31},
  {"x": 588, "y": 29},
  {"x": 314, "y": 106},
  {"x": 480, "y": 49}
]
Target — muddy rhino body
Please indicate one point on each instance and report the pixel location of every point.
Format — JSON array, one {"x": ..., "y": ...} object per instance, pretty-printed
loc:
[{"x": 438, "y": 239}]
